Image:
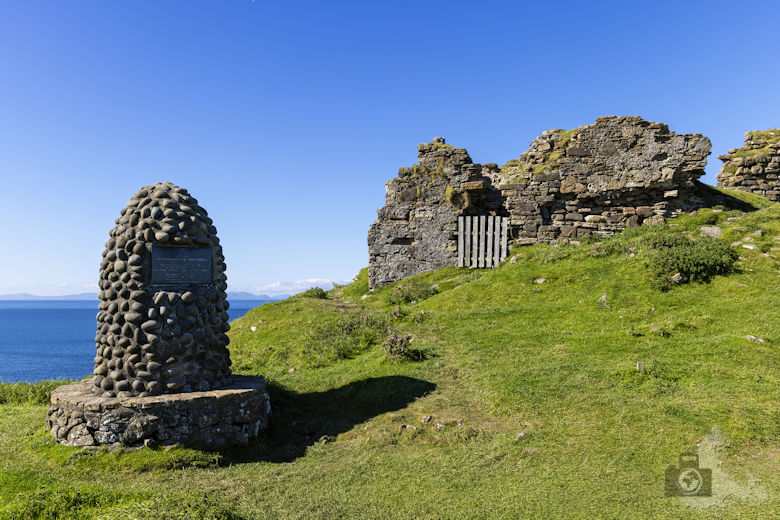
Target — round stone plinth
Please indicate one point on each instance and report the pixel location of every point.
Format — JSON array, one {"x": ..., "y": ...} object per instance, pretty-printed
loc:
[{"x": 233, "y": 414}]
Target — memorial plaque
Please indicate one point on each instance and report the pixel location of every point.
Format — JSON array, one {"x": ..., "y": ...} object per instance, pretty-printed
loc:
[{"x": 181, "y": 265}]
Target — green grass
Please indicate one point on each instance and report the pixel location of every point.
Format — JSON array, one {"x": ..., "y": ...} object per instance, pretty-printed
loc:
[
  {"x": 21, "y": 393},
  {"x": 504, "y": 355}
]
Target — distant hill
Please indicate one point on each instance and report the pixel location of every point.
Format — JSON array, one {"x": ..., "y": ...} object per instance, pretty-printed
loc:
[{"x": 243, "y": 295}]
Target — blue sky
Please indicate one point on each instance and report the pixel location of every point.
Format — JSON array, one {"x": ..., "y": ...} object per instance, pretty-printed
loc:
[{"x": 285, "y": 119}]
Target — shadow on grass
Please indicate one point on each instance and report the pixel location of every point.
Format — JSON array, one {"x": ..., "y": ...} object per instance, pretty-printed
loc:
[
  {"x": 713, "y": 197},
  {"x": 301, "y": 420}
]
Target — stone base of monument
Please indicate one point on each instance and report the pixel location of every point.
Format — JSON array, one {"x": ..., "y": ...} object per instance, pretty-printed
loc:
[{"x": 231, "y": 415}]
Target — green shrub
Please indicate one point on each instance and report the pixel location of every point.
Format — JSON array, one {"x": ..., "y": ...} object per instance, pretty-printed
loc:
[
  {"x": 397, "y": 349},
  {"x": 695, "y": 260},
  {"x": 413, "y": 292},
  {"x": 347, "y": 337},
  {"x": 315, "y": 292},
  {"x": 667, "y": 239}
]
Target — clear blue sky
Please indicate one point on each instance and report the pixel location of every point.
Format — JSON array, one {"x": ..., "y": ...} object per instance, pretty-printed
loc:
[{"x": 285, "y": 119}]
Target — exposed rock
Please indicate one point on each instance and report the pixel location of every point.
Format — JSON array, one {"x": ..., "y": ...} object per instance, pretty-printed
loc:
[
  {"x": 754, "y": 168},
  {"x": 711, "y": 231},
  {"x": 79, "y": 436},
  {"x": 140, "y": 427}
]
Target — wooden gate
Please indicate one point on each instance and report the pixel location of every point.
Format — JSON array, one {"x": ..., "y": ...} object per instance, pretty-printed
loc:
[{"x": 481, "y": 241}]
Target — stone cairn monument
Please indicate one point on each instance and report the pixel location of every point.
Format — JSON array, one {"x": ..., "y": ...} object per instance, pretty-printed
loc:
[{"x": 162, "y": 369}]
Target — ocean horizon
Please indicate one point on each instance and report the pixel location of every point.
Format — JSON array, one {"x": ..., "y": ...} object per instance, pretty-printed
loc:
[{"x": 55, "y": 339}]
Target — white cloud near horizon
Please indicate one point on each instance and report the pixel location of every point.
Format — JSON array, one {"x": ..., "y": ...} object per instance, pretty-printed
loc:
[{"x": 279, "y": 288}]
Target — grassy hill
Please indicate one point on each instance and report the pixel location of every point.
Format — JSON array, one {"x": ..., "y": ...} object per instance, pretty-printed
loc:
[{"x": 518, "y": 397}]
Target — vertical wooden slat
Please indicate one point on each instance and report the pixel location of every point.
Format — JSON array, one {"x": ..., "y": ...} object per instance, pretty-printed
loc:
[
  {"x": 496, "y": 238},
  {"x": 481, "y": 258},
  {"x": 467, "y": 244},
  {"x": 474, "y": 240},
  {"x": 489, "y": 243},
  {"x": 503, "y": 238},
  {"x": 460, "y": 241}
]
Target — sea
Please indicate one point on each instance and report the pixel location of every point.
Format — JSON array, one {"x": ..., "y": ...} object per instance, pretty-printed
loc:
[{"x": 44, "y": 339}]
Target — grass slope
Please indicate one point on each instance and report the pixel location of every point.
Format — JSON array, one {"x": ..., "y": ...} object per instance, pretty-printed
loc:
[{"x": 504, "y": 355}]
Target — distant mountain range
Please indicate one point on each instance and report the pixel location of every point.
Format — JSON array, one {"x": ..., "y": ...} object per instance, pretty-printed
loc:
[
  {"x": 243, "y": 295},
  {"x": 238, "y": 295}
]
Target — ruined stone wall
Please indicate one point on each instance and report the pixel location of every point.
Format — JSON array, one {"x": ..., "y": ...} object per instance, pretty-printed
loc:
[
  {"x": 416, "y": 230},
  {"x": 618, "y": 173},
  {"x": 754, "y": 168}
]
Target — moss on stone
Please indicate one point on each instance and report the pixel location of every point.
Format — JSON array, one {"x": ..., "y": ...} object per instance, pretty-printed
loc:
[
  {"x": 518, "y": 168},
  {"x": 770, "y": 136},
  {"x": 421, "y": 169},
  {"x": 564, "y": 138},
  {"x": 514, "y": 163},
  {"x": 764, "y": 150},
  {"x": 449, "y": 193},
  {"x": 456, "y": 199}
]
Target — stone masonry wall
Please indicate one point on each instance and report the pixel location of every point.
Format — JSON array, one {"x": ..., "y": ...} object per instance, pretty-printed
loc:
[
  {"x": 617, "y": 173},
  {"x": 754, "y": 168},
  {"x": 416, "y": 230}
]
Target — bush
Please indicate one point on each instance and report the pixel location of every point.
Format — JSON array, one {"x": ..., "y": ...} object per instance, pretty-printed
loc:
[
  {"x": 667, "y": 239},
  {"x": 409, "y": 293},
  {"x": 349, "y": 336},
  {"x": 397, "y": 348},
  {"x": 315, "y": 292},
  {"x": 699, "y": 260}
]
